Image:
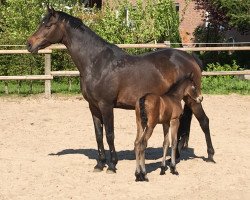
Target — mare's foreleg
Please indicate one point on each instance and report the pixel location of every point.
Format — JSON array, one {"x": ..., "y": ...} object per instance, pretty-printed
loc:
[
  {"x": 174, "y": 124},
  {"x": 98, "y": 124},
  {"x": 204, "y": 123},
  {"x": 184, "y": 129},
  {"x": 165, "y": 148},
  {"x": 108, "y": 120}
]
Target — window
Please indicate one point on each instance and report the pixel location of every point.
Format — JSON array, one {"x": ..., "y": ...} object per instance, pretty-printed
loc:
[
  {"x": 177, "y": 7},
  {"x": 92, "y": 3}
]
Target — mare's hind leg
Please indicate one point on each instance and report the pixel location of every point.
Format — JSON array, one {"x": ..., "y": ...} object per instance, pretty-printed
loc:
[
  {"x": 108, "y": 120},
  {"x": 184, "y": 129},
  {"x": 165, "y": 148},
  {"x": 204, "y": 123},
  {"x": 98, "y": 124}
]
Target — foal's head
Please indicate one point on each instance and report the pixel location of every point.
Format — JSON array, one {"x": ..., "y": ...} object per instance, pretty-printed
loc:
[{"x": 191, "y": 89}]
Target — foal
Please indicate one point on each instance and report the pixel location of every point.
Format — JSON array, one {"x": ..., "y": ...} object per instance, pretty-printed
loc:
[{"x": 152, "y": 109}]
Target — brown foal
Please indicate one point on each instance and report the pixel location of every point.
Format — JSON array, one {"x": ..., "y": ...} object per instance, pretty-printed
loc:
[{"x": 152, "y": 109}]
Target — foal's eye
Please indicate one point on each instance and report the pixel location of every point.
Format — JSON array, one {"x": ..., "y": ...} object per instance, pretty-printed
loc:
[{"x": 193, "y": 87}]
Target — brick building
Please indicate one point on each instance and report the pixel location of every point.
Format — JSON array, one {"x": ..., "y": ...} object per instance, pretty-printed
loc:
[{"x": 190, "y": 19}]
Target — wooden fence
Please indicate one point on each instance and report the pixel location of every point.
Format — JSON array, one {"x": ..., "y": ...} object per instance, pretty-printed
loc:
[{"x": 48, "y": 76}]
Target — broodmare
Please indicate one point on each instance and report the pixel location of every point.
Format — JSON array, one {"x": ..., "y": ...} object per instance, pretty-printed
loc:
[
  {"x": 152, "y": 109},
  {"x": 110, "y": 78}
]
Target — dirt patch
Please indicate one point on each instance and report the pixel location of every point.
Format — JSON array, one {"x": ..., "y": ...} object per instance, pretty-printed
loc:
[{"x": 48, "y": 151}]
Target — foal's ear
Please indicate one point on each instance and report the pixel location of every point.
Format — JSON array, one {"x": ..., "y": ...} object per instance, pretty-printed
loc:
[{"x": 191, "y": 75}]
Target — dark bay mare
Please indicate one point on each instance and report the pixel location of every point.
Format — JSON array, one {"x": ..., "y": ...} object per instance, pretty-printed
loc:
[
  {"x": 152, "y": 109},
  {"x": 110, "y": 78}
]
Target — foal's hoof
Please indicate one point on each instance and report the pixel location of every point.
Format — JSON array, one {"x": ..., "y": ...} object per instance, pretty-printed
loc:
[
  {"x": 163, "y": 169},
  {"x": 141, "y": 177},
  {"x": 111, "y": 169},
  {"x": 99, "y": 167},
  {"x": 173, "y": 171}
]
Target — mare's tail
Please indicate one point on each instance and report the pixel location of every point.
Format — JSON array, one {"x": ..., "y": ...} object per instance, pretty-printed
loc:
[{"x": 143, "y": 112}]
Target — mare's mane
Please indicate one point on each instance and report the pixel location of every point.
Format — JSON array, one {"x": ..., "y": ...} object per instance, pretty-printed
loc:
[
  {"x": 77, "y": 23},
  {"x": 73, "y": 21}
]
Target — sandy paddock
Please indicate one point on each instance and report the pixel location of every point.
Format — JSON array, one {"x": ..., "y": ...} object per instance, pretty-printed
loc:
[{"x": 48, "y": 151}]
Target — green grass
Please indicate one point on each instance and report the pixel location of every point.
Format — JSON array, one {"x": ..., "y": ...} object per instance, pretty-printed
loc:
[
  {"x": 210, "y": 85},
  {"x": 225, "y": 85}
]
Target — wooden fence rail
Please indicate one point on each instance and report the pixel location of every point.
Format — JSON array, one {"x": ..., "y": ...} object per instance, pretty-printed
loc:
[{"x": 48, "y": 76}]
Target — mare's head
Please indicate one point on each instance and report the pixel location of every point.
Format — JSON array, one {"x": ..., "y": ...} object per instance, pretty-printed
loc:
[
  {"x": 192, "y": 90},
  {"x": 50, "y": 31}
]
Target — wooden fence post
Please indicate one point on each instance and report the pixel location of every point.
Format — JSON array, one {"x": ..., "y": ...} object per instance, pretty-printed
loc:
[{"x": 47, "y": 72}]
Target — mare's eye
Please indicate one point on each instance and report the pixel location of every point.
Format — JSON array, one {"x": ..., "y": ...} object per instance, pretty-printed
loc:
[
  {"x": 193, "y": 87},
  {"x": 48, "y": 26}
]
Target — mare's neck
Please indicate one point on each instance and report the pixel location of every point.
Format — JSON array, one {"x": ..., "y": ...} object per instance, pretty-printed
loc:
[{"x": 85, "y": 46}]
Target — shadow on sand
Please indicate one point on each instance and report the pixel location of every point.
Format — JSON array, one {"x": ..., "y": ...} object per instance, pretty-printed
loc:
[{"x": 151, "y": 154}]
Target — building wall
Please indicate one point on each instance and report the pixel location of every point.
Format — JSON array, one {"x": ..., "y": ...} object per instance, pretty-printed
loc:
[{"x": 190, "y": 18}]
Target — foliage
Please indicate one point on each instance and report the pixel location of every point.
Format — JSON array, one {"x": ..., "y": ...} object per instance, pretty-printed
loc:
[
  {"x": 147, "y": 22},
  {"x": 224, "y": 84},
  {"x": 227, "y": 13}
]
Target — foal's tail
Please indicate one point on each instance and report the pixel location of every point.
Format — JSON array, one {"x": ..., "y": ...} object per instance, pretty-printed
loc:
[{"x": 143, "y": 112}]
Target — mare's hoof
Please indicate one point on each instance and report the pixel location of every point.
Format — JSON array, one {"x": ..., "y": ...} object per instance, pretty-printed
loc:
[
  {"x": 141, "y": 177},
  {"x": 99, "y": 167},
  {"x": 163, "y": 169},
  {"x": 210, "y": 158}
]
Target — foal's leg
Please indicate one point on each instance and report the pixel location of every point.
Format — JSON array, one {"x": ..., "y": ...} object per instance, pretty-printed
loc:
[
  {"x": 137, "y": 151},
  {"x": 165, "y": 148},
  {"x": 184, "y": 129},
  {"x": 204, "y": 123},
  {"x": 144, "y": 141},
  {"x": 174, "y": 124},
  {"x": 108, "y": 120},
  {"x": 98, "y": 124}
]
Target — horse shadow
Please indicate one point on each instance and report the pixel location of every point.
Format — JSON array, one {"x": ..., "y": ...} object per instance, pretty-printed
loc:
[{"x": 150, "y": 154}]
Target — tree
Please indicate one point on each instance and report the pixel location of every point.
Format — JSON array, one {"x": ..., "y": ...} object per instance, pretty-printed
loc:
[{"x": 227, "y": 13}]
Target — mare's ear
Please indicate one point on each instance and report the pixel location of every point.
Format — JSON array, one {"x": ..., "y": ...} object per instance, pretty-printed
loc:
[{"x": 51, "y": 10}]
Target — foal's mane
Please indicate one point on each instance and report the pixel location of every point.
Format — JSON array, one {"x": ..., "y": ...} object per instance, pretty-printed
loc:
[{"x": 176, "y": 85}]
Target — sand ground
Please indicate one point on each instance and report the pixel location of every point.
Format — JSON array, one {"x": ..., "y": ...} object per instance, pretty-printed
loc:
[{"x": 48, "y": 151}]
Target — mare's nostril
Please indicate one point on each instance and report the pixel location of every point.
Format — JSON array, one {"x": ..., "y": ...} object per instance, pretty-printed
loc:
[{"x": 29, "y": 45}]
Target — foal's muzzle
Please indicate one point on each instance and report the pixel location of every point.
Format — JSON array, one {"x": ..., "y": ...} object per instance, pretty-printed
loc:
[{"x": 199, "y": 99}]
